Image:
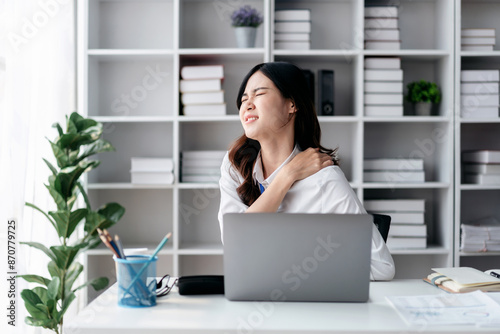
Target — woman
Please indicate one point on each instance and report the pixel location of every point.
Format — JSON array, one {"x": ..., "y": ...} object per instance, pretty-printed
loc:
[{"x": 278, "y": 165}]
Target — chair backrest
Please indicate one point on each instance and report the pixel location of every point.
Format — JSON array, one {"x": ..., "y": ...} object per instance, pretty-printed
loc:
[{"x": 383, "y": 223}]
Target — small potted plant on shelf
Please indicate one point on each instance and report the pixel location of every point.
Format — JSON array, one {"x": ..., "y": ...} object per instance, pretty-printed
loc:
[
  {"x": 245, "y": 21},
  {"x": 423, "y": 94}
]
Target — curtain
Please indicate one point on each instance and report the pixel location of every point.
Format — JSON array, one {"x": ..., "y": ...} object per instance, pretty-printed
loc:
[{"x": 37, "y": 89}]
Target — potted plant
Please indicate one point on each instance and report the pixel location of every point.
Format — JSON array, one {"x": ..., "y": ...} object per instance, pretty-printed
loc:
[
  {"x": 245, "y": 21},
  {"x": 48, "y": 302},
  {"x": 423, "y": 94}
]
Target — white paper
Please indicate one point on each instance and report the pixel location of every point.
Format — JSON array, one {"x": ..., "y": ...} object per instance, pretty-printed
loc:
[{"x": 445, "y": 309}]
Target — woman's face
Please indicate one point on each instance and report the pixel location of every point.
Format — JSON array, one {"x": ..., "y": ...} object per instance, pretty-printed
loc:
[{"x": 264, "y": 112}]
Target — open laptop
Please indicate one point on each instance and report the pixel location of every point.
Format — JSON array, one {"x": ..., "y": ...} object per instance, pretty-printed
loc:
[{"x": 297, "y": 257}]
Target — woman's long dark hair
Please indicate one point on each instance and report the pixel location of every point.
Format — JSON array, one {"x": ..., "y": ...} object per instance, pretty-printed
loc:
[{"x": 291, "y": 82}]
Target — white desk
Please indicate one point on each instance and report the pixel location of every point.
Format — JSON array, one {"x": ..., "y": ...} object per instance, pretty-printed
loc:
[{"x": 215, "y": 314}]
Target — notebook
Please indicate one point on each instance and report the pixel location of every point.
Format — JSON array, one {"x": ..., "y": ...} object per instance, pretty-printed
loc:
[{"x": 297, "y": 257}]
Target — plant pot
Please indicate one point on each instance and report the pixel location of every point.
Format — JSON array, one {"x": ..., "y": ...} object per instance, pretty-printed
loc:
[
  {"x": 245, "y": 36},
  {"x": 423, "y": 108}
]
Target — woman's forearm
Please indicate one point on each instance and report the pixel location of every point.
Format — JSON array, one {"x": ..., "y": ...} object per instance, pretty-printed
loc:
[{"x": 270, "y": 200}]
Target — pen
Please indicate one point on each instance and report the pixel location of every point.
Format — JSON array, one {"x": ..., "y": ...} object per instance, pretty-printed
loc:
[
  {"x": 106, "y": 242},
  {"x": 157, "y": 250},
  {"x": 119, "y": 246},
  {"x": 494, "y": 274}
]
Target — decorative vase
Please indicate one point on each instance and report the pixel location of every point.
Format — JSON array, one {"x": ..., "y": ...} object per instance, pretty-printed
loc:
[
  {"x": 245, "y": 36},
  {"x": 423, "y": 108}
]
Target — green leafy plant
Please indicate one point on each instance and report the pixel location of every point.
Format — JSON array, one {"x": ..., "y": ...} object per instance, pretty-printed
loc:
[
  {"x": 423, "y": 91},
  {"x": 48, "y": 302}
]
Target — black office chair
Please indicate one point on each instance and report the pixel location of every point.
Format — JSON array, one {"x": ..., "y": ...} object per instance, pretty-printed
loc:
[{"x": 383, "y": 223}]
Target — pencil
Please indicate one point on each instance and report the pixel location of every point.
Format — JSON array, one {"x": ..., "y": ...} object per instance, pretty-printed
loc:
[
  {"x": 112, "y": 243},
  {"x": 106, "y": 242},
  {"x": 120, "y": 246}
]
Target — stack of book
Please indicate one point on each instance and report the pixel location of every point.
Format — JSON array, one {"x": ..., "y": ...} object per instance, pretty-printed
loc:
[
  {"x": 201, "y": 90},
  {"x": 481, "y": 167},
  {"x": 201, "y": 166},
  {"x": 408, "y": 228},
  {"x": 479, "y": 93},
  {"x": 478, "y": 39},
  {"x": 383, "y": 86},
  {"x": 292, "y": 29},
  {"x": 393, "y": 170},
  {"x": 152, "y": 170},
  {"x": 381, "y": 28},
  {"x": 481, "y": 236}
]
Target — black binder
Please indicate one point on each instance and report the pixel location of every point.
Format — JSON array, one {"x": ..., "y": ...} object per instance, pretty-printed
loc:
[{"x": 326, "y": 89}]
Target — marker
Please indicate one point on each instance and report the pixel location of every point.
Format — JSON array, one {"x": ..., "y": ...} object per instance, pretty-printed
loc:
[{"x": 494, "y": 274}]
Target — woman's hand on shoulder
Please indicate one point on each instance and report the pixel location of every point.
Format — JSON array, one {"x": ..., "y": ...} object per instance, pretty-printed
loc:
[{"x": 307, "y": 163}]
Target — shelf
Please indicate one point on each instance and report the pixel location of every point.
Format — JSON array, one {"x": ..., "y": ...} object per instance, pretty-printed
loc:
[
  {"x": 240, "y": 52},
  {"x": 166, "y": 250},
  {"x": 408, "y": 119},
  {"x": 416, "y": 54},
  {"x": 480, "y": 53},
  {"x": 133, "y": 119},
  {"x": 479, "y": 187},
  {"x": 425, "y": 185},
  {"x": 430, "y": 250},
  {"x": 226, "y": 118},
  {"x": 122, "y": 185},
  {"x": 479, "y": 254},
  {"x": 200, "y": 248},
  {"x": 480, "y": 121}
]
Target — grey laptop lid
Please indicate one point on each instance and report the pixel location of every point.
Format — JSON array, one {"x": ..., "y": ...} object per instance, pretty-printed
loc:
[{"x": 297, "y": 257}]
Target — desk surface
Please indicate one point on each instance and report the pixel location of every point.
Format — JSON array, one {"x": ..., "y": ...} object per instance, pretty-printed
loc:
[{"x": 214, "y": 314}]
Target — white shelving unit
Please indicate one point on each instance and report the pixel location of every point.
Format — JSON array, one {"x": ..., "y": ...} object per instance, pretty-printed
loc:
[
  {"x": 130, "y": 55},
  {"x": 472, "y": 201}
]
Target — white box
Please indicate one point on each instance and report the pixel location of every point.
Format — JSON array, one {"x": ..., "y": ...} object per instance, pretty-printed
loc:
[
  {"x": 479, "y": 88},
  {"x": 382, "y": 45},
  {"x": 394, "y": 176},
  {"x": 480, "y": 75},
  {"x": 381, "y": 11},
  {"x": 482, "y": 168},
  {"x": 292, "y": 15},
  {"x": 406, "y": 242},
  {"x": 393, "y": 164},
  {"x": 218, "y": 109},
  {"x": 383, "y": 111},
  {"x": 393, "y": 63},
  {"x": 481, "y": 156},
  {"x": 479, "y": 112},
  {"x": 296, "y": 36},
  {"x": 203, "y": 72},
  {"x": 292, "y": 26},
  {"x": 408, "y": 230},
  {"x": 477, "y": 47},
  {"x": 395, "y": 205},
  {"x": 481, "y": 32},
  {"x": 382, "y": 34},
  {"x": 292, "y": 45},
  {"x": 383, "y": 99},
  {"x": 479, "y": 100},
  {"x": 140, "y": 164},
  {"x": 152, "y": 177},
  {"x": 205, "y": 85},
  {"x": 484, "y": 179},
  {"x": 477, "y": 41},
  {"x": 383, "y": 87},
  {"x": 202, "y": 98},
  {"x": 381, "y": 23},
  {"x": 405, "y": 217},
  {"x": 383, "y": 75}
]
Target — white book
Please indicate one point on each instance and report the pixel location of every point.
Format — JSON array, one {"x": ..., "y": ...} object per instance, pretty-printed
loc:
[
  {"x": 482, "y": 168},
  {"x": 394, "y": 164},
  {"x": 405, "y": 217},
  {"x": 383, "y": 87},
  {"x": 139, "y": 164},
  {"x": 382, "y": 34},
  {"x": 383, "y": 75},
  {"x": 477, "y": 41},
  {"x": 382, "y": 45},
  {"x": 203, "y": 154},
  {"x": 481, "y": 156},
  {"x": 479, "y": 112},
  {"x": 205, "y": 85},
  {"x": 395, "y": 205},
  {"x": 394, "y": 176},
  {"x": 383, "y": 99},
  {"x": 202, "y": 97},
  {"x": 383, "y": 111},
  {"x": 480, "y": 75},
  {"x": 297, "y": 36},
  {"x": 477, "y": 47},
  {"x": 407, "y": 230},
  {"x": 218, "y": 109},
  {"x": 476, "y": 100},
  {"x": 292, "y": 15},
  {"x": 381, "y": 23},
  {"x": 292, "y": 26},
  {"x": 479, "y": 88},
  {"x": 484, "y": 179},
  {"x": 393, "y": 63},
  {"x": 292, "y": 45},
  {"x": 152, "y": 177},
  {"x": 481, "y": 32},
  {"x": 202, "y": 72},
  {"x": 381, "y": 11},
  {"x": 406, "y": 242},
  {"x": 201, "y": 178},
  {"x": 201, "y": 163},
  {"x": 200, "y": 170}
]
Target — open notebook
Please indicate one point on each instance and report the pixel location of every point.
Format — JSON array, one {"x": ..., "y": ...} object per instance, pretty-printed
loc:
[{"x": 464, "y": 279}]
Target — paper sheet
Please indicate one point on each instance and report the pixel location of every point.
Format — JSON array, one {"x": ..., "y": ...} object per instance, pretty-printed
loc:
[{"x": 444, "y": 309}]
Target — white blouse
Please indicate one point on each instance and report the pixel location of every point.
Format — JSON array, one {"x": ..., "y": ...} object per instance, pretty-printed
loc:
[{"x": 327, "y": 191}]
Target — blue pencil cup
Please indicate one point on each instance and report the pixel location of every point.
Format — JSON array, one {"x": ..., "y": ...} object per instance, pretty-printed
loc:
[{"x": 136, "y": 285}]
